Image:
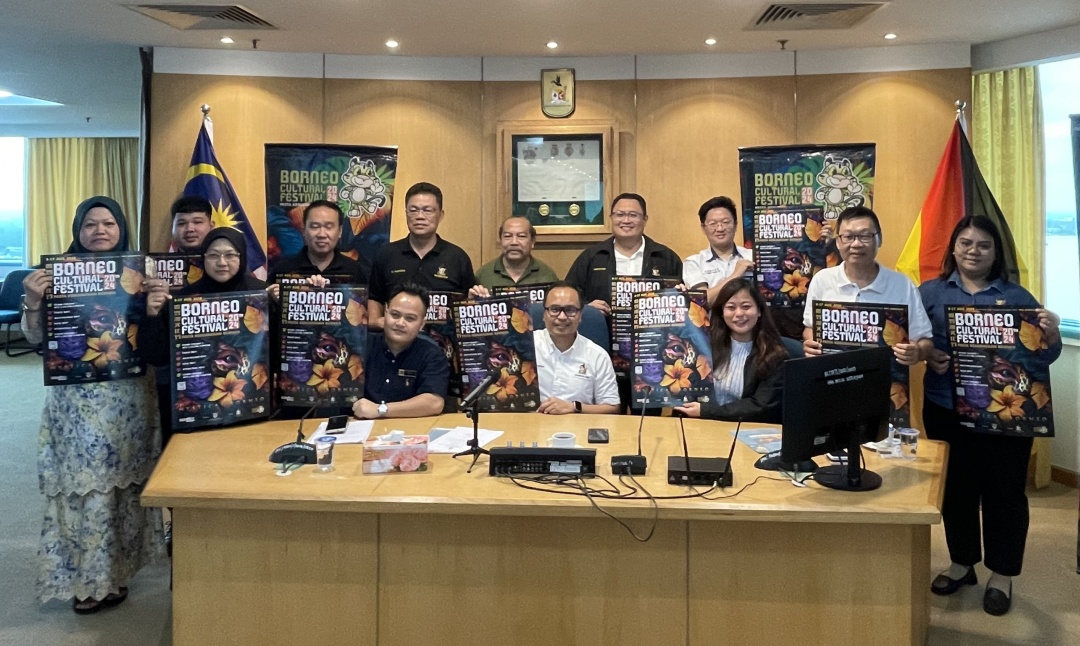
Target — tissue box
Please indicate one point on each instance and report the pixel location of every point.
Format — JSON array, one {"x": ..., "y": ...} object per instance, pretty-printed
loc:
[{"x": 408, "y": 454}]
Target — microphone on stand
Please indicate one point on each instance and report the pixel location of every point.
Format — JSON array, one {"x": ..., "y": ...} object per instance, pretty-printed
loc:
[
  {"x": 634, "y": 465},
  {"x": 475, "y": 394}
]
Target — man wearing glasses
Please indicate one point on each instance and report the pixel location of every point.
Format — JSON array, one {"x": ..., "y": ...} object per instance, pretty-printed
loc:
[
  {"x": 516, "y": 264},
  {"x": 422, "y": 256},
  {"x": 860, "y": 279},
  {"x": 628, "y": 252},
  {"x": 723, "y": 260},
  {"x": 575, "y": 374}
]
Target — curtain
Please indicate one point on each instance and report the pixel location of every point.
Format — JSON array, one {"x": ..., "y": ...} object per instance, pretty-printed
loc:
[
  {"x": 63, "y": 172},
  {"x": 1007, "y": 137}
]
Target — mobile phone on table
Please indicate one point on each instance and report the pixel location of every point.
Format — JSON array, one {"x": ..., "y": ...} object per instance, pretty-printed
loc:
[
  {"x": 598, "y": 436},
  {"x": 337, "y": 424}
]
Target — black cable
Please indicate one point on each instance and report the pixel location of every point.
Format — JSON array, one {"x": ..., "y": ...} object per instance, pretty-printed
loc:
[{"x": 640, "y": 539}]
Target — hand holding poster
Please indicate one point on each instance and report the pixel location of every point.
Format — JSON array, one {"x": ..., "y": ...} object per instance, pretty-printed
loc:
[
  {"x": 495, "y": 338},
  {"x": 1002, "y": 380},
  {"x": 671, "y": 353},
  {"x": 849, "y": 326},
  {"x": 323, "y": 345},
  {"x": 623, "y": 289},
  {"x": 177, "y": 270},
  {"x": 535, "y": 293},
  {"x": 219, "y": 344},
  {"x": 93, "y": 305}
]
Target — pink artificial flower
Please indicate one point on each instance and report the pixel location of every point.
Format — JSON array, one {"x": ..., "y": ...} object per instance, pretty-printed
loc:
[{"x": 408, "y": 459}]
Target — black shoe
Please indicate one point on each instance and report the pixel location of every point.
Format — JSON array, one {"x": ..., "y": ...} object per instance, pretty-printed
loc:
[
  {"x": 943, "y": 585},
  {"x": 996, "y": 602}
]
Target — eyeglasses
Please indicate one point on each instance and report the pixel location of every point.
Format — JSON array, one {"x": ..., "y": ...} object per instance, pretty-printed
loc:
[
  {"x": 227, "y": 257},
  {"x": 556, "y": 310},
  {"x": 627, "y": 215},
  {"x": 719, "y": 225},
  {"x": 416, "y": 210},
  {"x": 865, "y": 238}
]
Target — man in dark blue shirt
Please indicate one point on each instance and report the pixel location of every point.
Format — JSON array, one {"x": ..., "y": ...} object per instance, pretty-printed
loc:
[{"x": 406, "y": 376}]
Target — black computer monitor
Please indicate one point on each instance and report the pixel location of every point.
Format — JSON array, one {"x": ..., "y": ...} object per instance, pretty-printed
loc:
[{"x": 833, "y": 402}]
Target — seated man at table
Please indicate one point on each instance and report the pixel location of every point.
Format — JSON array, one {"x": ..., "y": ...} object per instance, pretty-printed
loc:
[
  {"x": 406, "y": 376},
  {"x": 576, "y": 375}
]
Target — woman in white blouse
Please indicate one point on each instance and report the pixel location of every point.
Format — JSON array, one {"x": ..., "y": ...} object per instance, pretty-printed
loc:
[{"x": 748, "y": 359}]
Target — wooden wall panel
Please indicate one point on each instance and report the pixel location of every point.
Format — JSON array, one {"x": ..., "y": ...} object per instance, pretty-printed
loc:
[
  {"x": 437, "y": 129},
  {"x": 509, "y": 101},
  {"x": 247, "y": 113},
  {"x": 689, "y": 132},
  {"x": 909, "y": 115}
]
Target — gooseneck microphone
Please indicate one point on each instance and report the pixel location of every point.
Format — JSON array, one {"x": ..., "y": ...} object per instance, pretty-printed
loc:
[
  {"x": 298, "y": 452},
  {"x": 634, "y": 465}
]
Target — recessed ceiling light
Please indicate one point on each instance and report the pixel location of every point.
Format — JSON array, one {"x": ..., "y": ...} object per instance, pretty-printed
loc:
[
  {"x": 4, "y": 94},
  {"x": 227, "y": 41},
  {"x": 890, "y": 36},
  {"x": 710, "y": 41},
  {"x": 392, "y": 43},
  {"x": 552, "y": 44}
]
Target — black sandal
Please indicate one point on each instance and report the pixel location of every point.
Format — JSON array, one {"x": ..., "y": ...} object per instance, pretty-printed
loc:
[
  {"x": 114, "y": 599},
  {"x": 89, "y": 606}
]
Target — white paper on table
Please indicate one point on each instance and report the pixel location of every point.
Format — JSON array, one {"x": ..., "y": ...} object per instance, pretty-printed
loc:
[
  {"x": 456, "y": 440},
  {"x": 356, "y": 432}
]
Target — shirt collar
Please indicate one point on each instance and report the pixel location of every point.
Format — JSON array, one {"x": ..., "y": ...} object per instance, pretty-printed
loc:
[
  {"x": 954, "y": 279},
  {"x": 875, "y": 286},
  {"x": 500, "y": 268},
  {"x": 735, "y": 255}
]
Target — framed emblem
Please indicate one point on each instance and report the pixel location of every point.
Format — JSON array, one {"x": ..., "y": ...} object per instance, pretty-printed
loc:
[{"x": 557, "y": 92}]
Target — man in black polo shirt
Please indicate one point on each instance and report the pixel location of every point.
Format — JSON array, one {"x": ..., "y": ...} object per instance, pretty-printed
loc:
[
  {"x": 323, "y": 222},
  {"x": 422, "y": 256},
  {"x": 628, "y": 252},
  {"x": 406, "y": 376}
]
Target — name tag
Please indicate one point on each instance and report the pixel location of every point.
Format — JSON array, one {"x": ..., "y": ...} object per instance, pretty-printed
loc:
[
  {"x": 406, "y": 373},
  {"x": 599, "y": 268},
  {"x": 397, "y": 271}
]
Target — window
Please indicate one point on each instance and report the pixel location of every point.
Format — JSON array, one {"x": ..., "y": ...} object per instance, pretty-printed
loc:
[
  {"x": 1060, "y": 97},
  {"x": 12, "y": 203}
]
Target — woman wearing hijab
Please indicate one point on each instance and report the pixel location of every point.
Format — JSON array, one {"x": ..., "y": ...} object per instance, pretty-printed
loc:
[
  {"x": 98, "y": 445},
  {"x": 224, "y": 255}
]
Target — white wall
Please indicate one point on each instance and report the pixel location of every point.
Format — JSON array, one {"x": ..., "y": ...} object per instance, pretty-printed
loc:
[{"x": 1065, "y": 381}]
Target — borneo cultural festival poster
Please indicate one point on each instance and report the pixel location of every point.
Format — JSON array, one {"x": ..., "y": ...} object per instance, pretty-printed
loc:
[
  {"x": 850, "y": 326},
  {"x": 1000, "y": 370},
  {"x": 495, "y": 337},
  {"x": 219, "y": 344},
  {"x": 439, "y": 325},
  {"x": 359, "y": 179},
  {"x": 671, "y": 354},
  {"x": 789, "y": 193},
  {"x": 535, "y": 293},
  {"x": 302, "y": 279},
  {"x": 177, "y": 270},
  {"x": 623, "y": 289},
  {"x": 323, "y": 345},
  {"x": 93, "y": 305}
]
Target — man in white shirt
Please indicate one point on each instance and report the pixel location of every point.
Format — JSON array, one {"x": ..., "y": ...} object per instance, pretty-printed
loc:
[
  {"x": 860, "y": 279},
  {"x": 722, "y": 260},
  {"x": 575, "y": 374}
]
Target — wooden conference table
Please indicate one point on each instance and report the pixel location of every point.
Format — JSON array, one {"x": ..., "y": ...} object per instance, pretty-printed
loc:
[{"x": 446, "y": 557}]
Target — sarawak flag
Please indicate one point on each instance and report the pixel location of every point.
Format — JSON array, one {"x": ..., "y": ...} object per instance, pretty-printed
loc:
[
  {"x": 206, "y": 179},
  {"x": 958, "y": 190}
]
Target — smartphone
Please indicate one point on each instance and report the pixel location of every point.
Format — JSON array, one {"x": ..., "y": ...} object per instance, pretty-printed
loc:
[
  {"x": 598, "y": 436},
  {"x": 337, "y": 424}
]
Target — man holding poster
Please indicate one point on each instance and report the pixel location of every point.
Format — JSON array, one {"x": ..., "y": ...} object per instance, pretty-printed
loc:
[
  {"x": 323, "y": 224},
  {"x": 723, "y": 260},
  {"x": 860, "y": 279}
]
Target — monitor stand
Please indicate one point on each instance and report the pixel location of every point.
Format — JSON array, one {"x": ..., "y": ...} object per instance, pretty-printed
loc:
[
  {"x": 772, "y": 462},
  {"x": 850, "y": 476}
]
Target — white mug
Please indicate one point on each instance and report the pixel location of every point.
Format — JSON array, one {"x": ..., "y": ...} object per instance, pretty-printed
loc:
[{"x": 563, "y": 440}]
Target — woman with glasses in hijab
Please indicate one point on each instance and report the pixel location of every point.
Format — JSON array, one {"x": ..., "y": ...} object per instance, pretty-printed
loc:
[{"x": 98, "y": 445}]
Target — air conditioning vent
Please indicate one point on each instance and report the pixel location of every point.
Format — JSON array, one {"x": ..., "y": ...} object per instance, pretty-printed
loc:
[
  {"x": 202, "y": 17},
  {"x": 784, "y": 17}
]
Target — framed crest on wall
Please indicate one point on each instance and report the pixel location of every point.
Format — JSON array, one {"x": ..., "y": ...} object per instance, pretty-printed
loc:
[{"x": 557, "y": 92}]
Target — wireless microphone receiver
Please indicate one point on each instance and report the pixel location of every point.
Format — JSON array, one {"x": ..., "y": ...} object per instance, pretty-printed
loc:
[{"x": 634, "y": 465}]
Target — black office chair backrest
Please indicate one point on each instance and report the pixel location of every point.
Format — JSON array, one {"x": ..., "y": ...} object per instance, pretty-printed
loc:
[{"x": 11, "y": 292}]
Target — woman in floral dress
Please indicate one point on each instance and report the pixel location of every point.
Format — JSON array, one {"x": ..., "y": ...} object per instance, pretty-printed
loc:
[{"x": 97, "y": 447}]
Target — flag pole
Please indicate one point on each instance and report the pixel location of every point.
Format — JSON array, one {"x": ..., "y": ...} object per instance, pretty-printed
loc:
[{"x": 961, "y": 106}]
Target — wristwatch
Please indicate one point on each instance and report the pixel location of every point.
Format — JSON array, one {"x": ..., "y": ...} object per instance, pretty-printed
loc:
[
  {"x": 577, "y": 407},
  {"x": 383, "y": 409},
  {"x": 24, "y": 307}
]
